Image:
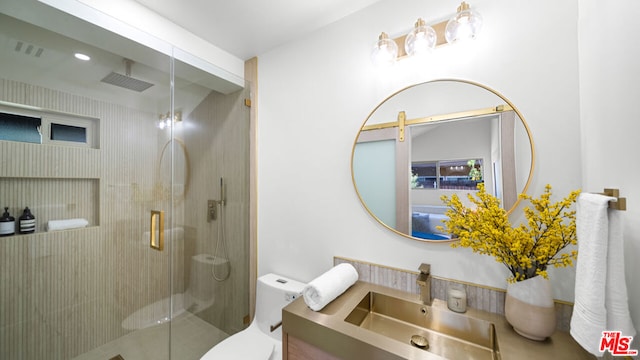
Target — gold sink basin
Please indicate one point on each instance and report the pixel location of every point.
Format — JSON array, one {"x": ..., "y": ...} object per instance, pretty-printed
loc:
[{"x": 447, "y": 334}]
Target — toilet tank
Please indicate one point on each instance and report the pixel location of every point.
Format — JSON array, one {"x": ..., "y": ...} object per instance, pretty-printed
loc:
[{"x": 272, "y": 294}]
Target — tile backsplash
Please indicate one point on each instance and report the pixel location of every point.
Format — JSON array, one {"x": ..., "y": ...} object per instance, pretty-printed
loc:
[{"x": 479, "y": 297}]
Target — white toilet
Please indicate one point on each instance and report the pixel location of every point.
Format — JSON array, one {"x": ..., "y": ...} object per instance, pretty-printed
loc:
[{"x": 258, "y": 341}]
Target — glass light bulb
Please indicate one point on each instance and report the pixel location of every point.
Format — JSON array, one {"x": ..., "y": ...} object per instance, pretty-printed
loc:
[
  {"x": 384, "y": 52},
  {"x": 421, "y": 40},
  {"x": 465, "y": 25}
]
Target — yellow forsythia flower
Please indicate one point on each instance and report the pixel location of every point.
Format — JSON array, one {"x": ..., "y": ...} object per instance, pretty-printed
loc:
[{"x": 526, "y": 250}]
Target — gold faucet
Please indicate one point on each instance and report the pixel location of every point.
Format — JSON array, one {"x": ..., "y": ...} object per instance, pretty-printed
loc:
[{"x": 424, "y": 282}]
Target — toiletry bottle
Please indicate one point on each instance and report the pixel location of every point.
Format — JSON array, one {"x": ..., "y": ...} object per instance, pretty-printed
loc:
[
  {"x": 27, "y": 222},
  {"x": 457, "y": 298},
  {"x": 7, "y": 223}
]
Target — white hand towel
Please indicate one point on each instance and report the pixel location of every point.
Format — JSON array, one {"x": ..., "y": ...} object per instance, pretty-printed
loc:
[
  {"x": 600, "y": 289},
  {"x": 589, "y": 317},
  {"x": 328, "y": 286},
  {"x": 616, "y": 300},
  {"x": 53, "y": 225}
]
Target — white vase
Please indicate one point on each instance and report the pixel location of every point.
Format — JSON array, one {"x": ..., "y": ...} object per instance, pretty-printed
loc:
[{"x": 529, "y": 308}]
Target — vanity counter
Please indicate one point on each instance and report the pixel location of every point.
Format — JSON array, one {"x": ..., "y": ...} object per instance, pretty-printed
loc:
[{"x": 330, "y": 337}]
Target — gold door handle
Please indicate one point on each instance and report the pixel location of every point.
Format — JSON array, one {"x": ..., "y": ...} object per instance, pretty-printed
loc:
[{"x": 157, "y": 220}]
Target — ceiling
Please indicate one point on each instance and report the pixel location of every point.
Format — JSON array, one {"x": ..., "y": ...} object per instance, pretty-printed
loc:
[
  {"x": 247, "y": 28},
  {"x": 244, "y": 28},
  {"x": 35, "y": 55}
]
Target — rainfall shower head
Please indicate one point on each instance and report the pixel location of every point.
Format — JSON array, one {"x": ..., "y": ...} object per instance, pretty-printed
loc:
[{"x": 126, "y": 81}]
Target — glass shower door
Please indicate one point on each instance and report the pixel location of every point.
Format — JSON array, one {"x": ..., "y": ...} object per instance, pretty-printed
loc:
[
  {"x": 211, "y": 208},
  {"x": 87, "y": 283},
  {"x": 126, "y": 261}
]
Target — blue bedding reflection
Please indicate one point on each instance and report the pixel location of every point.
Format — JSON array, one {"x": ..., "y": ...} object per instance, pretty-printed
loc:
[{"x": 424, "y": 226}]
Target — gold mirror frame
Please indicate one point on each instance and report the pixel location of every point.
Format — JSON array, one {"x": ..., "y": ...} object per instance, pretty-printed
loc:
[
  {"x": 160, "y": 187},
  {"x": 503, "y": 98}
]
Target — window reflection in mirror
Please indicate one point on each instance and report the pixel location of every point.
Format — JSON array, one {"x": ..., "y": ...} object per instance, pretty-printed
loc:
[{"x": 447, "y": 174}]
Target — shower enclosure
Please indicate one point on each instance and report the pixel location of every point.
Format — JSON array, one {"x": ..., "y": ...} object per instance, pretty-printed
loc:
[{"x": 122, "y": 154}]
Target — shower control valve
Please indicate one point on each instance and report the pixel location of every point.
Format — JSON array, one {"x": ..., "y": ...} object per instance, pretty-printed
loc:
[{"x": 211, "y": 210}]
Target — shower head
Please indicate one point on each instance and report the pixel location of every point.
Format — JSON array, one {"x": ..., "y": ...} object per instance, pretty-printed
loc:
[{"x": 126, "y": 81}]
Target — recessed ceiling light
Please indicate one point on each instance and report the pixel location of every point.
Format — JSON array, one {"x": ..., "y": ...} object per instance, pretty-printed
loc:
[{"x": 82, "y": 56}]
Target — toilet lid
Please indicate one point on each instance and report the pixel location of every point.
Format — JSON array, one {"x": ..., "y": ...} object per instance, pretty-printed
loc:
[{"x": 248, "y": 344}]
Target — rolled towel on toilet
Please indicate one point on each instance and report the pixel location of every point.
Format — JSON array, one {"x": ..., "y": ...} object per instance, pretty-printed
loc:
[
  {"x": 328, "y": 286},
  {"x": 53, "y": 225}
]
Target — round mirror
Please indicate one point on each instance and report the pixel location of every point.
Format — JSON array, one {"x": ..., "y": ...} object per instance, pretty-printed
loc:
[{"x": 438, "y": 138}]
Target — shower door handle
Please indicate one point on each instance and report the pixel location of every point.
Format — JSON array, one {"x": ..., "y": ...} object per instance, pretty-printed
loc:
[{"x": 157, "y": 221}]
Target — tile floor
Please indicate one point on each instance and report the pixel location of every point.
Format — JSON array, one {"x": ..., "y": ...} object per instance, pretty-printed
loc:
[{"x": 191, "y": 337}]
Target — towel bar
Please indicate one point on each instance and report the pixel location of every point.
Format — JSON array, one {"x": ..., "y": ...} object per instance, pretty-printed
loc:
[{"x": 620, "y": 203}]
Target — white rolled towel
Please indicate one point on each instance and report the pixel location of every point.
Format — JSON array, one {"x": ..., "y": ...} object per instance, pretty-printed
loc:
[
  {"x": 328, "y": 286},
  {"x": 53, "y": 225}
]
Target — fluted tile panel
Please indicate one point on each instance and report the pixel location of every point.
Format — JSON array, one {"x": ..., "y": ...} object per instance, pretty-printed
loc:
[
  {"x": 48, "y": 161},
  {"x": 222, "y": 152},
  {"x": 51, "y": 293},
  {"x": 64, "y": 293}
]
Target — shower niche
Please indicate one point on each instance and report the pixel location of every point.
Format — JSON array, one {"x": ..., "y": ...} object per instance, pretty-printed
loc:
[{"x": 52, "y": 199}]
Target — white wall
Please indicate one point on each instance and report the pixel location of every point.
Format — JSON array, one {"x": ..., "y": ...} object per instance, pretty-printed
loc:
[
  {"x": 609, "y": 92},
  {"x": 315, "y": 93}
]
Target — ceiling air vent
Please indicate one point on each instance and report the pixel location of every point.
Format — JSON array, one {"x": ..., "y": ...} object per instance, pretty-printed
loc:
[{"x": 28, "y": 49}]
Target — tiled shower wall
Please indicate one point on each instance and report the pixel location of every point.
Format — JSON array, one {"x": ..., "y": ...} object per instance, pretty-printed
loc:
[
  {"x": 216, "y": 135},
  {"x": 63, "y": 293},
  {"x": 478, "y": 297}
]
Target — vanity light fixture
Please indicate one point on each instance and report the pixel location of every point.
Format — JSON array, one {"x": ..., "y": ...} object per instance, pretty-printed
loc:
[
  {"x": 421, "y": 40},
  {"x": 465, "y": 24},
  {"x": 384, "y": 52}
]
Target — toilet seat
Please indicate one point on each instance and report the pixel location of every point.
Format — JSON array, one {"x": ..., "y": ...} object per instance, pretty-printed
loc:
[{"x": 250, "y": 343}]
